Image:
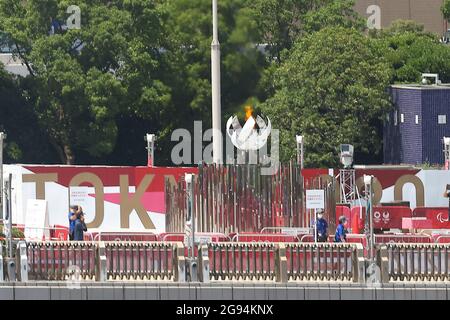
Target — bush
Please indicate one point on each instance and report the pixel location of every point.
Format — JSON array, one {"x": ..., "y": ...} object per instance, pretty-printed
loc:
[{"x": 16, "y": 233}]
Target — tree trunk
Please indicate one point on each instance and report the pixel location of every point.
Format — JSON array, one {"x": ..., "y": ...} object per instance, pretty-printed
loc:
[{"x": 69, "y": 156}]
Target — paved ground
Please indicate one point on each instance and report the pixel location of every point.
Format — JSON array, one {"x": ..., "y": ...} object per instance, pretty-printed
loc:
[{"x": 197, "y": 291}]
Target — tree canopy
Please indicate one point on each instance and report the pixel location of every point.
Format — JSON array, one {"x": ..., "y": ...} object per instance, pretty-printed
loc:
[
  {"x": 446, "y": 9},
  {"x": 79, "y": 78},
  {"x": 412, "y": 51},
  {"x": 138, "y": 66},
  {"x": 331, "y": 88}
]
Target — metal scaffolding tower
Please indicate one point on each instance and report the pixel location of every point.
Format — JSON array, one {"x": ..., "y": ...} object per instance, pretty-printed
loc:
[{"x": 348, "y": 185}]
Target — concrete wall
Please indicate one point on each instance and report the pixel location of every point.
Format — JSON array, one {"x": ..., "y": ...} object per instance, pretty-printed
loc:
[
  {"x": 195, "y": 291},
  {"x": 427, "y": 12}
]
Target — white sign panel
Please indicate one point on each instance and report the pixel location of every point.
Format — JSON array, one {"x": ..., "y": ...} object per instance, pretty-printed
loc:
[
  {"x": 315, "y": 199},
  {"x": 82, "y": 196},
  {"x": 36, "y": 220},
  {"x": 294, "y": 231}
]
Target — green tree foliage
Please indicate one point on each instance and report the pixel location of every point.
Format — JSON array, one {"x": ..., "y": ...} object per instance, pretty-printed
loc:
[
  {"x": 332, "y": 89},
  {"x": 411, "y": 51},
  {"x": 191, "y": 35},
  {"x": 188, "y": 62},
  {"x": 26, "y": 141},
  {"x": 281, "y": 22},
  {"x": 79, "y": 78},
  {"x": 139, "y": 66},
  {"x": 446, "y": 9}
]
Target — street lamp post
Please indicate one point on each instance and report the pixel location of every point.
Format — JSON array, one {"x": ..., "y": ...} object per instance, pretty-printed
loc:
[
  {"x": 446, "y": 141},
  {"x": 215, "y": 84},
  {"x": 189, "y": 229},
  {"x": 300, "y": 141},
  {"x": 150, "y": 138},
  {"x": 2, "y": 137},
  {"x": 368, "y": 183}
]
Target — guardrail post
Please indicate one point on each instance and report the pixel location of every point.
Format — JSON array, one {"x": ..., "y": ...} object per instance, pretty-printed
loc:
[
  {"x": 203, "y": 263},
  {"x": 100, "y": 266},
  {"x": 281, "y": 263},
  {"x": 22, "y": 261},
  {"x": 359, "y": 264},
  {"x": 383, "y": 263},
  {"x": 1, "y": 265},
  {"x": 180, "y": 263}
]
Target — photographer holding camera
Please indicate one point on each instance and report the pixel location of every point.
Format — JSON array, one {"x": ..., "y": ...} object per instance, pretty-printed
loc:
[{"x": 76, "y": 223}]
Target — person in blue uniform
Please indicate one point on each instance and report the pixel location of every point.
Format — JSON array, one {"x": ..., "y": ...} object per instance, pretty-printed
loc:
[
  {"x": 321, "y": 227},
  {"x": 341, "y": 230},
  {"x": 76, "y": 217}
]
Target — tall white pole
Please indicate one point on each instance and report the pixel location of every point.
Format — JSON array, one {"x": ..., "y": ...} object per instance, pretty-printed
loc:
[
  {"x": 150, "y": 138},
  {"x": 446, "y": 153},
  {"x": 215, "y": 83},
  {"x": 2, "y": 137}
]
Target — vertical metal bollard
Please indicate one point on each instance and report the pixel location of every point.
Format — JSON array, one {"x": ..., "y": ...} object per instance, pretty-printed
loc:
[
  {"x": 192, "y": 268},
  {"x": 100, "y": 266},
  {"x": 180, "y": 263},
  {"x": 22, "y": 261},
  {"x": 203, "y": 263},
  {"x": 1, "y": 265},
  {"x": 383, "y": 263},
  {"x": 11, "y": 269},
  {"x": 358, "y": 263},
  {"x": 281, "y": 263}
]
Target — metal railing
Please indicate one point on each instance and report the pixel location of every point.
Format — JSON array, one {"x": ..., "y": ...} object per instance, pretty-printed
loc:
[
  {"x": 284, "y": 262},
  {"x": 125, "y": 236},
  {"x": 241, "y": 261},
  {"x": 325, "y": 262},
  {"x": 229, "y": 261},
  {"x": 141, "y": 260},
  {"x": 402, "y": 238},
  {"x": 443, "y": 239},
  {"x": 264, "y": 237},
  {"x": 102, "y": 261},
  {"x": 414, "y": 262},
  {"x": 59, "y": 260},
  {"x": 285, "y": 230}
]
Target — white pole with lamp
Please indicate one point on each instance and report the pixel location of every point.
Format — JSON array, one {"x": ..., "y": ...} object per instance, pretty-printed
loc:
[
  {"x": 150, "y": 138},
  {"x": 2, "y": 137},
  {"x": 368, "y": 183},
  {"x": 300, "y": 140},
  {"x": 446, "y": 141},
  {"x": 215, "y": 85}
]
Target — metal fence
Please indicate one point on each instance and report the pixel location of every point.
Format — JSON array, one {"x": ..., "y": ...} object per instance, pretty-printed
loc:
[
  {"x": 324, "y": 261},
  {"x": 416, "y": 262},
  {"x": 230, "y": 261},
  {"x": 239, "y": 198},
  {"x": 141, "y": 260},
  {"x": 242, "y": 261},
  {"x": 284, "y": 262},
  {"x": 60, "y": 260}
]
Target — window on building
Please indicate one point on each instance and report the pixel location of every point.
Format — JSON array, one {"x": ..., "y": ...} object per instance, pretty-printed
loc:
[
  {"x": 402, "y": 118},
  {"x": 442, "y": 119},
  {"x": 417, "y": 119},
  {"x": 395, "y": 117}
]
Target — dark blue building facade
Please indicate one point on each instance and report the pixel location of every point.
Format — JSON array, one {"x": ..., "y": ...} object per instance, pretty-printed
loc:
[{"x": 413, "y": 131}]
